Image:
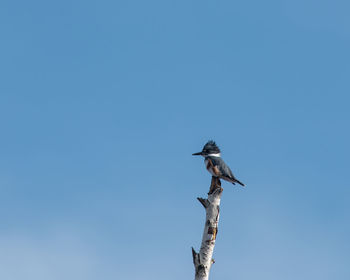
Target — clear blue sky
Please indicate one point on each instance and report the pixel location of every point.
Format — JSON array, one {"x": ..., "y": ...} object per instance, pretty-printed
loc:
[{"x": 102, "y": 104}]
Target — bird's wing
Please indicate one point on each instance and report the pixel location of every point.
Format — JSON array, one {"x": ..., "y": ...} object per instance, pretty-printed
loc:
[
  {"x": 224, "y": 171},
  {"x": 222, "y": 166}
]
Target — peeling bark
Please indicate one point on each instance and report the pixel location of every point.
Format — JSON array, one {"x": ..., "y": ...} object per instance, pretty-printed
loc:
[{"x": 203, "y": 260}]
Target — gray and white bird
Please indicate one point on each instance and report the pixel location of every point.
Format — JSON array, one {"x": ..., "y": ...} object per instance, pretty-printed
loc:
[{"x": 215, "y": 164}]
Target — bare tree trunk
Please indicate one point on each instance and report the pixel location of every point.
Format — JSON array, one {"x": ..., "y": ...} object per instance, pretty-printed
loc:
[{"x": 203, "y": 260}]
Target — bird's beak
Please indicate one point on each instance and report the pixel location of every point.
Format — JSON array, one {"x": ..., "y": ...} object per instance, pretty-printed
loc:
[{"x": 197, "y": 154}]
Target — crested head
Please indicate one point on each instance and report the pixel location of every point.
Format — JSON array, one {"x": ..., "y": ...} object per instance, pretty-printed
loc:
[{"x": 211, "y": 148}]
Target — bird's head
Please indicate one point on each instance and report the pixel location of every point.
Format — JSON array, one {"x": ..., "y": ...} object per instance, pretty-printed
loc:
[{"x": 210, "y": 148}]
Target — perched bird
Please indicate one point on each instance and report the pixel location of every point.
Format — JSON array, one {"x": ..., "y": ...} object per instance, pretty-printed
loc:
[{"x": 214, "y": 163}]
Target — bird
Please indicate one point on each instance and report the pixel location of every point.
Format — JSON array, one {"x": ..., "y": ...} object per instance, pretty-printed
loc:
[{"x": 215, "y": 164}]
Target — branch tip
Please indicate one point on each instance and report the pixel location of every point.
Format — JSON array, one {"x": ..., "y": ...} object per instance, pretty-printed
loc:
[
  {"x": 203, "y": 201},
  {"x": 193, "y": 251},
  {"x": 194, "y": 256}
]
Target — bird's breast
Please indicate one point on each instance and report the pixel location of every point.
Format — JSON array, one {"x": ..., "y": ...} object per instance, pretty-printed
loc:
[{"x": 213, "y": 170}]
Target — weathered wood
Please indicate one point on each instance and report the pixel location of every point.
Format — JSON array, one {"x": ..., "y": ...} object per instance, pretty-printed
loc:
[
  {"x": 203, "y": 260},
  {"x": 203, "y": 201}
]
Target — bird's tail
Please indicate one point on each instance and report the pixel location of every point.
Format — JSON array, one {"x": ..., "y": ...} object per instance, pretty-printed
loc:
[{"x": 239, "y": 183}]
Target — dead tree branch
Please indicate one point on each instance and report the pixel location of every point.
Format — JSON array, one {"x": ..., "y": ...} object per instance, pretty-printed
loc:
[{"x": 203, "y": 260}]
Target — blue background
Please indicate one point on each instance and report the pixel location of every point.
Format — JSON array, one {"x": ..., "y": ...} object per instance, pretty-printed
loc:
[{"x": 102, "y": 104}]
